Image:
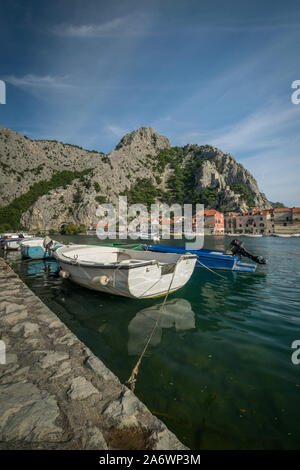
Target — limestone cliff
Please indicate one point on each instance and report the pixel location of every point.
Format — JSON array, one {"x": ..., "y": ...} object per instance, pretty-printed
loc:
[{"x": 24, "y": 162}]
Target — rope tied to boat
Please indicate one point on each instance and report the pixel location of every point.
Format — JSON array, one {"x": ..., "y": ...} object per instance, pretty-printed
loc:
[
  {"x": 211, "y": 270},
  {"x": 130, "y": 383}
]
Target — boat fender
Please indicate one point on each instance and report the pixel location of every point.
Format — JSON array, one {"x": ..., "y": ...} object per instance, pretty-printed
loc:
[
  {"x": 64, "y": 274},
  {"x": 103, "y": 280}
]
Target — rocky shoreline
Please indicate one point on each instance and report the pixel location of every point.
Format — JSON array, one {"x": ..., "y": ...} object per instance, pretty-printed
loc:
[{"x": 55, "y": 393}]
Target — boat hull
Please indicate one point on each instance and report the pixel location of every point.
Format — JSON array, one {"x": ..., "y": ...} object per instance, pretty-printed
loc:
[
  {"x": 35, "y": 252},
  {"x": 34, "y": 249},
  {"x": 139, "y": 279},
  {"x": 213, "y": 259}
]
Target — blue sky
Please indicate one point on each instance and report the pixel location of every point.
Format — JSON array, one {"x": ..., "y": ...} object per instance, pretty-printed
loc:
[{"x": 220, "y": 73}]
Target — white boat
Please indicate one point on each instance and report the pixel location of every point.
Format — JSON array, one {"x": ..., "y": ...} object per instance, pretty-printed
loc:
[
  {"x": 9, "y": 235},
  {"x": 253, "y": 235},
  {"x": 31, "y": 241},
  {"x": 282, "y": 235},
  {"x": 144, "y": 236},
  {"x": 129, "y": 273}
]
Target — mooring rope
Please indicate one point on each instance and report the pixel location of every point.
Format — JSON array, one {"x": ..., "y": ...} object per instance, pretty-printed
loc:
[
  {"x": 132, "y": 379},
  {"x": 211, "y": 270}
]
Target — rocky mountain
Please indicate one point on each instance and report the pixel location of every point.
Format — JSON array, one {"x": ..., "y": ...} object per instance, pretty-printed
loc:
[{"x": 45, "y": 184}]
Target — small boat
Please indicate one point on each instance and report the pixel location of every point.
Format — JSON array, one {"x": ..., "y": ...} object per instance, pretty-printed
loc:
[
  {"x": 38, "y": 248},
  {"x": 11, "y": 241},
  {"x": 253, "y": 235},
  {"x": 282, "y": 235},
  {"x": 215, "y": 259},
  {"x": 128, "y": 273}
]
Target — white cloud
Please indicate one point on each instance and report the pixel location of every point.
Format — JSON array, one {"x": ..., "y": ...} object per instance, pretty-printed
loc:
[
  {"x": 277, "y": 172},
  {"x": 38, "y": 81},
  {"x": 262, "y": 129},
  {"x": 116, "y": 131},
  {"x": 266, "y": 142},
  {"x": 130, "y": 24}
]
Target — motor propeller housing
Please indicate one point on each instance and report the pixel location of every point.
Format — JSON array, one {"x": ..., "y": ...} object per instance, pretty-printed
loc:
[{"x": 238, "y": 249}]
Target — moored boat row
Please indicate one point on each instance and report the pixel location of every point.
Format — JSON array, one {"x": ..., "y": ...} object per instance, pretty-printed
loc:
[
  {"x": 11, "y": 241},
  {"x": 134, "y": 270}
]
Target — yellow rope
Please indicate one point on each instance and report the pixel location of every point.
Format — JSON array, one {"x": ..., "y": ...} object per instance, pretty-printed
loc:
[
  {"x": 132, "y": 379},
  {"x": 211, "y": 270}
]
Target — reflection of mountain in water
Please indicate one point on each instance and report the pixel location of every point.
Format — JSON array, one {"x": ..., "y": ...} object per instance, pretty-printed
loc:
[{"x": 177, "y": 313}]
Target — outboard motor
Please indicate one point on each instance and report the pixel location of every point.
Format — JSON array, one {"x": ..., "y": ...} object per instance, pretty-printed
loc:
[
  {"x": 47, "y": 243},
  {"x": 238, "y": 249}
]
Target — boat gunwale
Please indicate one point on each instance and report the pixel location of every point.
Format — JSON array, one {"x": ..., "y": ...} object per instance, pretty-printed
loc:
[
  {"x": 60, "y": 257},
  {"x": 207, "y": 254}
]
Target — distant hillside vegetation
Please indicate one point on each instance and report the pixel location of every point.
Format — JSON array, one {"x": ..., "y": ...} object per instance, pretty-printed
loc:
[{"x": 47, "y": 184}]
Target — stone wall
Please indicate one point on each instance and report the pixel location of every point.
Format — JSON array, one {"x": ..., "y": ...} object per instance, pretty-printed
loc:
[{"x": 54, "y": 393}]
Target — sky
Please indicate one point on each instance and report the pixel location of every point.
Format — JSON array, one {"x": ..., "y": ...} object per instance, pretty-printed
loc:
[{"x": 205, "y": 72}]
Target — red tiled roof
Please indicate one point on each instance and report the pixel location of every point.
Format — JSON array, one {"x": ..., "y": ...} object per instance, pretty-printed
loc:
[
  {"x": 102, "y": 224},
  {"x": 296, "y": 209},
  {"x": 210, "y": 212},
  {"x": 282, "y": 209},
  {"x": 232, "y": 214}
]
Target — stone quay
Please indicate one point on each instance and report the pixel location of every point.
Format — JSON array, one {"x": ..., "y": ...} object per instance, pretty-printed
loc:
[{"x": 55, "y": 393}]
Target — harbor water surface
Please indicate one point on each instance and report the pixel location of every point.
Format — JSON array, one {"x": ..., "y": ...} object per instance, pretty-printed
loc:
[{"x": 218, "y": 370}]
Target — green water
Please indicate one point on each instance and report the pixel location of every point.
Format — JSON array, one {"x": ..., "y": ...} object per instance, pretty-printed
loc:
[{"x": 219, "y": 370}]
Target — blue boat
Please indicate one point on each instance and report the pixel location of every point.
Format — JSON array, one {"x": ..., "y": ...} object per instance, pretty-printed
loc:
[
  {"x": 36, "y": 252},
  {"x": 213, "y": 259},
  {"x": 35, "y": 249}
]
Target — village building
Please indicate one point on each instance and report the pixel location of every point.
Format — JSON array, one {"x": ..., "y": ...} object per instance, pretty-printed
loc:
[
  {"x": 287, "y": 220},
  {"x": 254, "y": 221},
  {"x": 263, "y": 222},
  {"x": 296, "y": 214},
  {"x": 283, "y": 214},
  {"x": 213, "y": 222}
]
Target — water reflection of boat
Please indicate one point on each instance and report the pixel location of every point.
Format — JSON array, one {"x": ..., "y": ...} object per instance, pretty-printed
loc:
[
  {"x": 177, "y": 314},
  {"x": 38, "y": 267}
]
